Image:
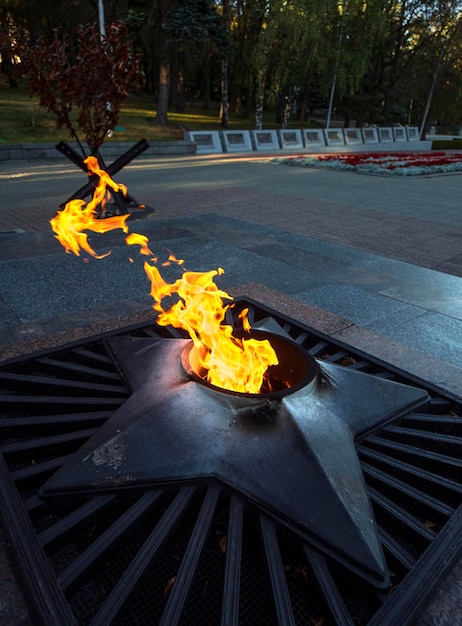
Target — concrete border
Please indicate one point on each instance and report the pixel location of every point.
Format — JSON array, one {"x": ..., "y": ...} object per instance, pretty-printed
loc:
[{"x": 20, "y": 151}]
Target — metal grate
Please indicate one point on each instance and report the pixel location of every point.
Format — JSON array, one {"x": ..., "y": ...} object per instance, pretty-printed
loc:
[{"x": 200, "y": 554}]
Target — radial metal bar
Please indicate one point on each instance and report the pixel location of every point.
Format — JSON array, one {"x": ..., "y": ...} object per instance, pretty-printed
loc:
[
  {"x": 91, "y": 355},
  {"x": 34, "y": 470},
  {"x": 402, "y": 466},
  {"x": 319, "y": 348},
  {"x": 401, "y": 515},
  {"x": 185, "y": 576},
  {"x": 149, "y": 332},
  {"x": 396, "y": 550},
  {"x": 46, "y": 442},
  {"x": 63, "y": 383},
  {"x": 33, "y": 504},
  {"x": 61, "y": 400},
  {"x": 54, "y": 420},
  {"x": 332, "y": 597},
  {"x": 337, "y": 357},
  {"x": 78, "y": 519},
  {"x": 302, "y": 337},
  {"x": 425, "y": 438},
  {"x": 45, "y": 600},
  {"x": 407, "y": 601},
  {"x": 407, "y": 490},
  {"x": 76, "y": 368},
  {"x": 108, "y": 541},
  {"x": 231, "y": 589},
  {"x": 128, "y": 584},
  {"x": 281, "y": 597},
  {"x": 423, "y": 455},
  {"x": 434, "y": 422}
]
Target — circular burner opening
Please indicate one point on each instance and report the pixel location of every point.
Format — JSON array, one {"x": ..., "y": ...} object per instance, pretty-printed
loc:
[{"x": 296, "y": 367}]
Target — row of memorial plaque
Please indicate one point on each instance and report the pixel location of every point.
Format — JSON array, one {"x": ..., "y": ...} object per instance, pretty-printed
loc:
[{"x": 288, "y": 139}]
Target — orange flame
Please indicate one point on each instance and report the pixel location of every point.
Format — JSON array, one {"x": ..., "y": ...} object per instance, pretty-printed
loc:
[
  {"x": 70, "y": 223},
  {"x": 229, "y": 362}
]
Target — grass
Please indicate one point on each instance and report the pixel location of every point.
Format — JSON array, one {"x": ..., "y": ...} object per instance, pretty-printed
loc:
[
  {"x": 23, "y": 121},
  {"x": 447, "y": 144}
]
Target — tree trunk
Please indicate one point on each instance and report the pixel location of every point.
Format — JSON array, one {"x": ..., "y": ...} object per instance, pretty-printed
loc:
[
  {"x": 224, "y": 93},
  {"x": 164, "y": 74},
  {"x": 259, "y": 112},
  {"x": 424, "y": 123},
  {"x": 180, "y": 83},
  {"x": 260, "y": 95},
  {"x": 205, "y": 82}
]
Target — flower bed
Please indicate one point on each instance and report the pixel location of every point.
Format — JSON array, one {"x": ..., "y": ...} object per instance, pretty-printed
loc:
[{"x": 388, "y": 163}]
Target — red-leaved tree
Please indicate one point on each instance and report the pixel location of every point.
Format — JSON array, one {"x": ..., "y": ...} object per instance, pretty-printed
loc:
[{"x": 84, "y": 81}]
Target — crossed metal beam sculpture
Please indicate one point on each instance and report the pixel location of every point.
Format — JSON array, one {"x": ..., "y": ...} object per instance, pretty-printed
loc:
[{"x": 120, "y": 200}]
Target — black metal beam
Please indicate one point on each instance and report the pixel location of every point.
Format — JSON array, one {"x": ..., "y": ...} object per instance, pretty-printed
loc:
[{"x": 114, "y": 168}]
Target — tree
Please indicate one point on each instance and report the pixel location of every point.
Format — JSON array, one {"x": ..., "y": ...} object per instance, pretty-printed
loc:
[
  {"x": 189, "y": 24},
  {"x": 91, "y": 74}
]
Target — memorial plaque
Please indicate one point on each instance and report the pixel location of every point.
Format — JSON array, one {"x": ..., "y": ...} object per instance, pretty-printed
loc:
[
  {"x": 352, "y": 135},
  {"x": 236, "y": 141},
  {"x": 265, "y": 140},
  {"x": 314, "y": 137},
  {"x": 385, "y": 134},
  {"x": 291, "y": 139},
  {"x": 207, "y": 142},
  {"x": 203, "y": 140},
  {"x": 370, "y": 135},
  {"x": 334, "y": 137},
  {"x": 400, "y": 133}
]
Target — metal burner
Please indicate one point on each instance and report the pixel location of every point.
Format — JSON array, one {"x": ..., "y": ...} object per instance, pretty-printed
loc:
[{"x": 296, "y": 368}]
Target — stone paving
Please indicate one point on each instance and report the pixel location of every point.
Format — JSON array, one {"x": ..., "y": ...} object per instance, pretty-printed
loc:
[
  {"x": 383, "y": 254},
  {"x": 374, "y": 261}
]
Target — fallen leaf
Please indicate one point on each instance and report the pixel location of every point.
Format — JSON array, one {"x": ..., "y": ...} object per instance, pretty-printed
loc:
[
  {"x": 223, "y": 543},
  {"x": 168, "y": 586}
]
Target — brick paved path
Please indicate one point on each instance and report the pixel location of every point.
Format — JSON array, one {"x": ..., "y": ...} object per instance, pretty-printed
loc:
[{"x": 417, "y": 219}]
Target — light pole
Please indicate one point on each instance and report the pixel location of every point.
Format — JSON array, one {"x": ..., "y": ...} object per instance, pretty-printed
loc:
[
  {"x": 102, "y": 28},
  {"x": 341, "y": 9}
]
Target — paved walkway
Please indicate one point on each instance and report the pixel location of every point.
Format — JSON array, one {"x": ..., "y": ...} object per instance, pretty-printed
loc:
[
  {"x": 373, "y": 261},
  {"x": 383, "y": 255}
]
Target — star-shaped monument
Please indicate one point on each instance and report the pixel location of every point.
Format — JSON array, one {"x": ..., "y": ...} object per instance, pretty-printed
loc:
[{"x": 293, "y": 457}]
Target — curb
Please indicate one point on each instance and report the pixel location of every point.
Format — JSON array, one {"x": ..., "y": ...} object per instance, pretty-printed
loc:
[{"x": 26, "y": 152}]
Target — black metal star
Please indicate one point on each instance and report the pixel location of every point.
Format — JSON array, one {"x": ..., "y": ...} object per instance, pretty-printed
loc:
[{"x": 293, "y": 457}]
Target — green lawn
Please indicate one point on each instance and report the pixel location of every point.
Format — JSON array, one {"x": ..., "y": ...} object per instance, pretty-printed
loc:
[{"x": 23, "y": 121}]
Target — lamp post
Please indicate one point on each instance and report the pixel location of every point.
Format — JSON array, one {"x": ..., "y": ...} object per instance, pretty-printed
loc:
[
  {"x": 102, "y": 28},
  {"x": 341, "y": 9}
]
